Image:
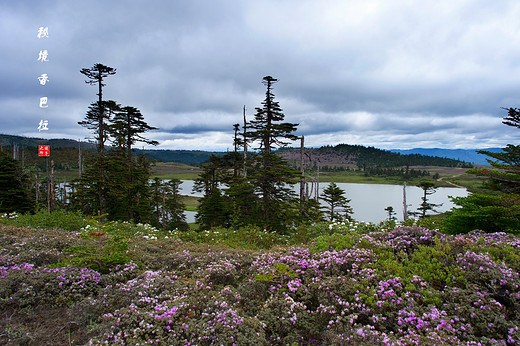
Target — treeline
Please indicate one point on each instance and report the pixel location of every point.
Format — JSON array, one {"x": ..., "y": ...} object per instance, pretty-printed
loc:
[
  {"x": 239, "y": 188},
  {"x": 379, "y": 171}
]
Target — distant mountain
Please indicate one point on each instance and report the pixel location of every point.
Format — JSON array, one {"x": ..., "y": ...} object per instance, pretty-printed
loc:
[{"x": 467, "y": 155}]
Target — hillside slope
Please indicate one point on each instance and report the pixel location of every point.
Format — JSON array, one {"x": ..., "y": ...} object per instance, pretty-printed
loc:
[{"x": 357, "y": 156}]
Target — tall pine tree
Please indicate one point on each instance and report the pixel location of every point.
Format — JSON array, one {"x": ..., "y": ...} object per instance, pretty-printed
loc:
[
  {"x": 270, "y": 173},
  {"x": 96, "y": 119},
  {"x": 428, "y": 189}
]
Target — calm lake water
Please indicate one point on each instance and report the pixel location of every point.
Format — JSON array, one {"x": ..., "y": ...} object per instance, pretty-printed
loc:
[{"x": 368, "y": 201}]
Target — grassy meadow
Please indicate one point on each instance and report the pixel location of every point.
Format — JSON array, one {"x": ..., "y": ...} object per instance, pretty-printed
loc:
[{"x": 448, "y": 175}]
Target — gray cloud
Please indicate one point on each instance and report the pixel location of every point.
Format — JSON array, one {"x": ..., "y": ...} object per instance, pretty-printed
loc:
[{"x": 388, "y": 74}]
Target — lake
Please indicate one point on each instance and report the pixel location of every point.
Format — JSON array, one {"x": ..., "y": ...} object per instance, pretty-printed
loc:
[{"x": 368, "y": 201}]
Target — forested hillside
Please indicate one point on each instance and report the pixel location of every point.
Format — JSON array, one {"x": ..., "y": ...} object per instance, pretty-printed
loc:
[
  {"x": 358, "y": 156},
  {"x": 26, "y": 142}
]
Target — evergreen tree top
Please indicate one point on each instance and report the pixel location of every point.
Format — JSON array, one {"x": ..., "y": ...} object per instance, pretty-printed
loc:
[
  {"x": 268, "y": 80},
  {"x": 267, "y": 126},
  {"x": 97, "y": 73}
]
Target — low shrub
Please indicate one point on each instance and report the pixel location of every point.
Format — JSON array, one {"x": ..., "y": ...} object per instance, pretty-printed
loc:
[{"x": 42, "y": 219}]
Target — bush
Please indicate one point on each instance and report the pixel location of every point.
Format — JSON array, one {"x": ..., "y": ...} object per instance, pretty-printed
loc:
[
  {"x": 488, "y": 213},
  {"x": 42, "y": 219},
  {"x": 247, "y": 237},
  {"x": 26, "y": 285}
]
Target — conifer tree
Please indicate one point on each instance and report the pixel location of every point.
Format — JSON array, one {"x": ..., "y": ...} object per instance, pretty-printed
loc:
[
  {"x": 213, "y": 208},
  {"x": 97, "y": 74},
  {"x": 168, "y": 210},
  {"x": 127, "y": 126},
  {"x": 244, "y": 203},
  {"x": 96, "y": 120},
  {"x": 229, "y": 199},
  {"x": 428, "y": 189},
  {"x": 127, "y": 177},
  {"x": 114, "y": 181},
  {"x": 333, "y": 195},
  {"x": 14, "y": 194},
  {"x": 499, "y": 210},
  {"x": 270, "y": 172},
  {"x": 391, "y": 213},
  {"x": 506, "y": 175}
]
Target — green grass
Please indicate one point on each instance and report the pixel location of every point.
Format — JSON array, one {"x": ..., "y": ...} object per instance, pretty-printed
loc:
[
  {"x": 359, "y": 178},
  {"x": 173, "y": 170},
  {"x": 469, "y": 181},
  {"x": 162, "y": 170},
  {"x": 191, "y": 202},
  {"x": 180, "y": 176}
]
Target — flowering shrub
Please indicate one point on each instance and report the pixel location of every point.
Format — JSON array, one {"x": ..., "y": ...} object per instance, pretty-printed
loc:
[
  {"x": 26, "y": 285},
  {"x": 163, "y": 309},
  {"x": 345, "y": 283},
  {"x": 9, "y": 216}
]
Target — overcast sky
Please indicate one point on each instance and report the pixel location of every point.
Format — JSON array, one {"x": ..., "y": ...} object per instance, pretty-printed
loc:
[{"x": 390, "y": 74}]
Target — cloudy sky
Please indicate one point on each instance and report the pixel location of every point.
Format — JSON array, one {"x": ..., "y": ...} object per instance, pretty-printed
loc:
[{"x": 390, "y": 74}]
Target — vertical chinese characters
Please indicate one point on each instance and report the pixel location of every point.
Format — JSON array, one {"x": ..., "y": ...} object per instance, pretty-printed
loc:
[{"x": 43, "y": 32}]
